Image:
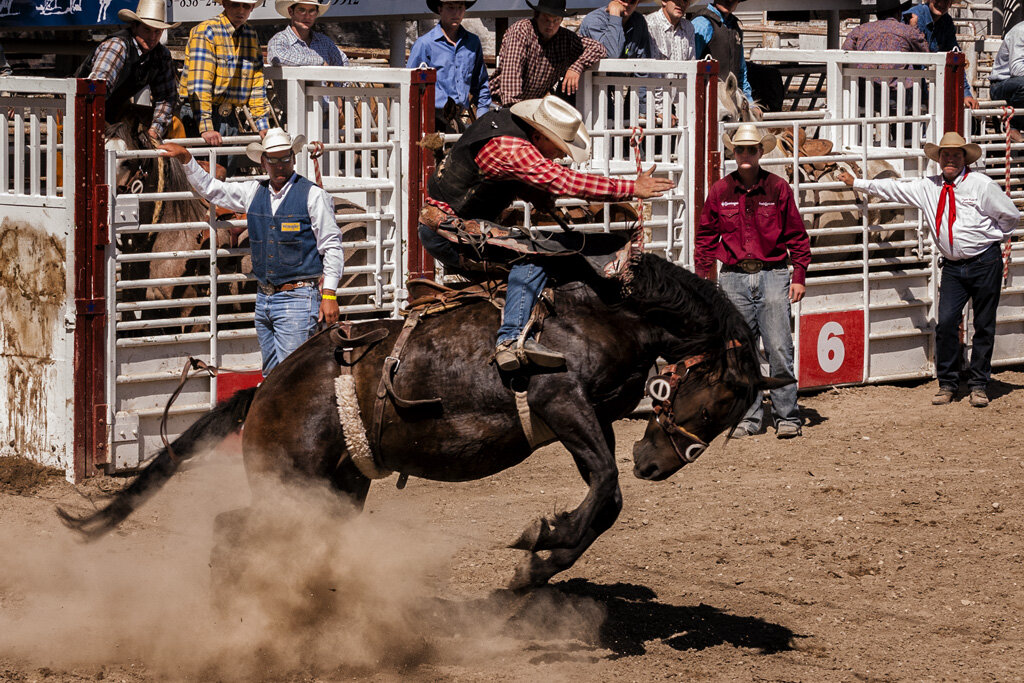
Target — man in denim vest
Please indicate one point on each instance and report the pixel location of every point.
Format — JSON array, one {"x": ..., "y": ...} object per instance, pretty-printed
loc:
[{"x": 294, "y": 239}]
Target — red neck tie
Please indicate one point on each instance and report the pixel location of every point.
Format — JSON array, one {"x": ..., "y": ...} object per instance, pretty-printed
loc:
[{"x": 946, "y": 191}]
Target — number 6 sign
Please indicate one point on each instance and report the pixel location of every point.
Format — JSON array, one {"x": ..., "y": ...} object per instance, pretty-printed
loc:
[{"x": 831, "y": 348}]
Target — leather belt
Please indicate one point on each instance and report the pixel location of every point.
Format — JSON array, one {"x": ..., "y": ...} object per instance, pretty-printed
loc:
[
  {"x": 269, "y": 289},
  {"x": 751, "y": 266},
  {"x": 225, "y": 110}
]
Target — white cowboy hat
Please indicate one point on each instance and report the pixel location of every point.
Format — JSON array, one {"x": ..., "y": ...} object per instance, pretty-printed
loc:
[
  {"x": 559, "y": 122},
  {"x": 953, "y": 140},
  {"x": 276, "y": 140},
  {"x": 152, "y": 13},
  {"x": 282, "y": 6},
  {"x": 246, "y": 2},
  {"x": 747, "y": 134}
]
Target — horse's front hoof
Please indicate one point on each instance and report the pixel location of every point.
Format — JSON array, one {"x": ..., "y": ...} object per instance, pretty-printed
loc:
[
  {"x": 526, "y": 576},
  {"x": 530, "y": 536}
]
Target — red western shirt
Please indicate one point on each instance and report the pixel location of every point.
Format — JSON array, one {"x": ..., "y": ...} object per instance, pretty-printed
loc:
[{"x": 761, "y": 223}]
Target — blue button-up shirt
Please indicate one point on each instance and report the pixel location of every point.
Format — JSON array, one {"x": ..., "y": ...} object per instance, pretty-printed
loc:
[
  {"x": 703, "y": 29},
  {"x": 940, "y": 34},
  {"x": 461, "y": 71}
]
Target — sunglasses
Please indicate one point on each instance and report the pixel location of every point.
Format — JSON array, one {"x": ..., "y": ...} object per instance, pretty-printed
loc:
[
  {"x": 278, "y": 161},
  {"x": 747, "y": 149}
]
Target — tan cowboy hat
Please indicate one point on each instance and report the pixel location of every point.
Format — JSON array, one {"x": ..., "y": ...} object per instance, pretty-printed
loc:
[
  {"x": 953, "y": 140},
  {"x": 282, "y": 6},
  {"x": 152, "y": 13},
  {"x": 559, "y": 122},
  {"x": 258, "y": 3},
  {"x": 276, "y": 140},
  {"x": 747, "y": 134}
]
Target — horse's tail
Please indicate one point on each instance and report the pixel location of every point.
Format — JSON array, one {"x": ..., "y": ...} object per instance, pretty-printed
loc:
[{"x": 212, "y": 428}]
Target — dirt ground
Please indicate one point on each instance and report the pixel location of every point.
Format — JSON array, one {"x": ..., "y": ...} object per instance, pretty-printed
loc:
[{"x": 885, "y": 544}]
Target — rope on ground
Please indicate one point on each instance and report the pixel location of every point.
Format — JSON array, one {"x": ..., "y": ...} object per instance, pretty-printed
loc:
[
  {"x": 1008, "y": 112},
  {"x": 314, "y": 155}
]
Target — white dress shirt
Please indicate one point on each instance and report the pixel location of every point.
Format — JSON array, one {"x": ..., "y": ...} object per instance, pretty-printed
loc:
[
  {"x": 676, "y": 43},
  {"x": 320, "y": 204},
  {"x": 984, "y": 214}
]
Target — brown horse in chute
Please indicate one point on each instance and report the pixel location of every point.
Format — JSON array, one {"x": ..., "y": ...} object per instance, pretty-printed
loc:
[{"x": 466, "y": 425}]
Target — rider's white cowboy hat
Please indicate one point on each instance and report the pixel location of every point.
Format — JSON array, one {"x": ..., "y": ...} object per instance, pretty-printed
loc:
[
  {"x": 747, "y": 134},
  {"x": 559, "y": 122},
  {"x": 435, "y": 5},
  {"x": 953, "y": 140},
  {"x": 152, "y": 13},
  {"x": 283, "y": 5},
  {"x": 258, "y": 3},
  {"x": 276, "y": 140}
]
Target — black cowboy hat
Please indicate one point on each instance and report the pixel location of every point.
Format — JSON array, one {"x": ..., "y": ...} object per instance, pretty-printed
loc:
[
  {"x": 435, "y": 5},
  {"x": 553, "y": 7}
]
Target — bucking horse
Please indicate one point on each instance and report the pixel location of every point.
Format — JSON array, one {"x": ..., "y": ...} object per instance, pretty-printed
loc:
[{"x": 445, "y": 412}]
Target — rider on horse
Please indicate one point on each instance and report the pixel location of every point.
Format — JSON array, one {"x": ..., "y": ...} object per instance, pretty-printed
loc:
[
  {"x": 510, "y": 153},
  {"x": 133, "y": 59}
]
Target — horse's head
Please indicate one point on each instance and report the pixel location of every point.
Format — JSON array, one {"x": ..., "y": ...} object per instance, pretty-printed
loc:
[
  {"x": 131, "y": 173},
  {"x": 733, "y": 105},
  {"x": 691, "y": 408}
]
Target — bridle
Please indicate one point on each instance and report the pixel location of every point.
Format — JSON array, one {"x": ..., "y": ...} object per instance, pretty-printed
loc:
[{"x": 662, "y": 390}]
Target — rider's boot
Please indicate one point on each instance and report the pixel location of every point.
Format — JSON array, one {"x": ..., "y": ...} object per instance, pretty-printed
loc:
[
  {"x": 506, "y": 357},
  {"x": 542, "y": 356}
]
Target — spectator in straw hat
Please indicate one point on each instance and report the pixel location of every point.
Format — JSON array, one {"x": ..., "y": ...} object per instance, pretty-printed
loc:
[
  {"x": 969, "y": 216},
  {"x": 539, "y": 52},
  {"x": 294, "y": 238},
  {"x": 300, "y": 44},
  {"x": 133, "y": 59},
  {"x": 750, "y": 223},
  {"x": 510, "y": 153},
  {"x": 223, "y": 71},
  {"x": 458, "y": 56}
]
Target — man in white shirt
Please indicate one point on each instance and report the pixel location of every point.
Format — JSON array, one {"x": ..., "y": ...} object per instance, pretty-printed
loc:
[
  {"x": 671, "y": 38},
  {"x": 1006, "y": 82},
  {"x": 969, "y": 216},
  {"x": 294, "y": 238}
]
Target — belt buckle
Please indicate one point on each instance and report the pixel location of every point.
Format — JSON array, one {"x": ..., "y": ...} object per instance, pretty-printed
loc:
[
  {"x": 225, "y": 109},
  {"x": 266, "y": 289},
  {"x": 751, "y": 266}
]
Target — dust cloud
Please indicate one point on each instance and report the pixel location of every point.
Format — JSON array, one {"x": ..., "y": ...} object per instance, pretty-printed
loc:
[{"x": 299, "y": 585}]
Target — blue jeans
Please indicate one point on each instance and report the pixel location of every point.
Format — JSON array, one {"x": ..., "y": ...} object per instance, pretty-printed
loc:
[
  {"x": 284, "y": 321},
  {"x": 978, "y": 279},
  {"x": 763, "y": 301},
  {"x": 225, "y": 125},
  {"x": 525, "y": 283},
  {"x": 1012, "y": 91}
]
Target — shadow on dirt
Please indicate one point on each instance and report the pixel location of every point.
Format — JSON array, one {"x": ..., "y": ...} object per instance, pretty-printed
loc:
[{"x": 635, "y": 617}]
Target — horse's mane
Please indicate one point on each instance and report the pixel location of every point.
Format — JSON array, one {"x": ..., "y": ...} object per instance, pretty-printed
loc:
[{"x": 695, "y": 310}]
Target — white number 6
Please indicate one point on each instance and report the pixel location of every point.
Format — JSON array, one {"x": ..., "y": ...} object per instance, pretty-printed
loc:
[{"x": 831, "y": 351}]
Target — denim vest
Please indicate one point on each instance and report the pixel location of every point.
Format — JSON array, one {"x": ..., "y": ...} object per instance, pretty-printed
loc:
[{"x": 283, "y": 244}]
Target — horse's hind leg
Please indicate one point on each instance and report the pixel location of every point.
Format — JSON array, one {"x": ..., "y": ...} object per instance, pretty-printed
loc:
[{"x": 349, "y": 481}]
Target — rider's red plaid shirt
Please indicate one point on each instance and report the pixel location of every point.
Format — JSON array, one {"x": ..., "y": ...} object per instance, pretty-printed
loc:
[{"x": 510, "y": 158}]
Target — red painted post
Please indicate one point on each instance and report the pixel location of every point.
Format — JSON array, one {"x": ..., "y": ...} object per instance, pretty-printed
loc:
[
  {"x": 421, "y": 165},
  {"x": 706, "y": 137},
  {"x": 90, "y": 410},
  {"x": 956, "y": 63}
]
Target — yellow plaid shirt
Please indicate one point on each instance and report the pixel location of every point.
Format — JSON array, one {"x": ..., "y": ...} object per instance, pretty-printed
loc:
[{"x": 223, "y": 66}]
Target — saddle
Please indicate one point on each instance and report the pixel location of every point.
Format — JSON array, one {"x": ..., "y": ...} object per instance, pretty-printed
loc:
[
  {"x": 486, "y": 242},
  {"x": 427, "y": 297}
]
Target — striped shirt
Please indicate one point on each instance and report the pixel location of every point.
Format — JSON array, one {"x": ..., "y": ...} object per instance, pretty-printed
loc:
[
  {"x": 511, "y": 158},
  {"x": 528, "y": 69},
  {"x": 287, "y": 49},
  {"x": 223, "y": 66},
  {"x": 110, "y": 58}
]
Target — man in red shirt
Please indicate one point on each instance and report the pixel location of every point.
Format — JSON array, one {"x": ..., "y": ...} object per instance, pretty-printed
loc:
[
  {"x": 509, "y": 153},
  {"x": 750, "y": 223}
]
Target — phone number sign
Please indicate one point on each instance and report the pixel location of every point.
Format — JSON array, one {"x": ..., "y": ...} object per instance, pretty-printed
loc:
[{"x": 831, "y": 348}]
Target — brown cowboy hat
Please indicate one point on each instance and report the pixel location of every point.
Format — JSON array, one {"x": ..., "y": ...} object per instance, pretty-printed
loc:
[
  {"x": 435, "y": 5},
  {"x": 953, "y": 140}
]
